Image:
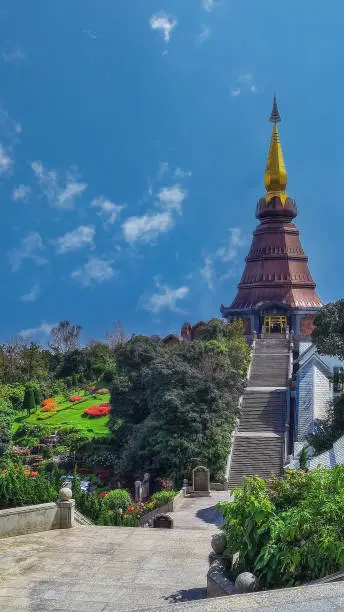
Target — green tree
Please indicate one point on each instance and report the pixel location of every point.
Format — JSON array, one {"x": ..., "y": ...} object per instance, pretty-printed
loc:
[
  {"x": 37, "y": 395},
  {"x": 328, "y": 335},
  {"x": 328, "y": 430},
  {"x": 177, "y": 403},
  {"x": 29, "y": 399},
  {"x": 6, "y": 422}
]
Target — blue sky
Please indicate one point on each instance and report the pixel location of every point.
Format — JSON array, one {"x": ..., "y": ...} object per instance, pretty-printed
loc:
[{"x": 133, "y": 140}]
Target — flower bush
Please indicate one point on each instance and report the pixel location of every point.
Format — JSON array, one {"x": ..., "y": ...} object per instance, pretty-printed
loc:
[
  {"x": 76, "y": 398},
  {"x": 48, "y": 405},
  {"x": 97, "y": 411},
  {"x": 117, "y": 499},
  {"x": 102, "y": 391}
]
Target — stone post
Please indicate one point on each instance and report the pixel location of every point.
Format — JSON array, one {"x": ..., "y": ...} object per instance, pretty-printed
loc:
[
  {"x": 138, "y": 491},
  {"x": 145, "y": 486},
  {"x": 66, "y": 507},
  {"x": 185, "y": 486}
]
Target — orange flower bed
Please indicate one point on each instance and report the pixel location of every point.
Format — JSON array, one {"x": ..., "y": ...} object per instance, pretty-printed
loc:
[{"x": 48, "y": 405}]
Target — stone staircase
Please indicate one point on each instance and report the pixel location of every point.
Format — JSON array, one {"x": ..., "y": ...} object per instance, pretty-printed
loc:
[{"x": 259, "y": 440}]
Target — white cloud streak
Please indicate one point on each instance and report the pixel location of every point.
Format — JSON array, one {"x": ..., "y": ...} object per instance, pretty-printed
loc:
[
  {"x": 12, "y": 56},
  {"x": 43, "y": 330},
  {"x": 208, "y": 5},
  {"x": 147, "y": 227},
  {"x": 96, "y": 270},
  {"x": 21, "y": 193},
  {"x": 165, "y": 299},
  {"x": 31, "y": 248},
  {"x": 58, "y": 195},
  {"x": 6, "y": 161},
  {"x": 223, "y": 254},
  {"x": 32, "y": 295},
  {"x": 75, "y": 240},
  {"x": 108, "y": 211},
  {"x": 163, "y": 23}
]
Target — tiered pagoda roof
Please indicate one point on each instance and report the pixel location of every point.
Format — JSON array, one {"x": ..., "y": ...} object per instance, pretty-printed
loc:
[{"x": 276, "y": 269}]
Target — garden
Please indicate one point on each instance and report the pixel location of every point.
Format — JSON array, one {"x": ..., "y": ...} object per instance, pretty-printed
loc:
[{"x": 21, "y": 486}]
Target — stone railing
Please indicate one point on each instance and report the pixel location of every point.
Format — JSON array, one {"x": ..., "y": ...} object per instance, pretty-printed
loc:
[
  {"x": 234, "y": 432},
  {"x": 41, "y": 517}
]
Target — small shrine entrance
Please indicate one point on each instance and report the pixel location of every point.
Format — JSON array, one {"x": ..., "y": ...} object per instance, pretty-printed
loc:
[{"x": 275, "y": 324}]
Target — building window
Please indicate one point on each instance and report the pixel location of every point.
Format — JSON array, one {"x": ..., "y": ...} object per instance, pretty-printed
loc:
[{"x": 338, "y": 380}]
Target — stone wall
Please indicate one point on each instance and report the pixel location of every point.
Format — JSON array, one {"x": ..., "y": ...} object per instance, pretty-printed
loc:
[{"x": 41, "y": 517}]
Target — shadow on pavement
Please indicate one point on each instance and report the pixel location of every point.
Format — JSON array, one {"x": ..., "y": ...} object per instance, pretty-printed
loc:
[
  {"x": 187, "y": 595},
  {"x": 210, "y": 515}
]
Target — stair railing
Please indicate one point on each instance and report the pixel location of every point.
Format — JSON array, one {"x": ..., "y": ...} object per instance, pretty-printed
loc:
[{"x": 237, "y": 422}]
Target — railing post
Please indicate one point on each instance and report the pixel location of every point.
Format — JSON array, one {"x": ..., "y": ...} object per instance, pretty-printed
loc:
[{"x": 66, "y": 507}]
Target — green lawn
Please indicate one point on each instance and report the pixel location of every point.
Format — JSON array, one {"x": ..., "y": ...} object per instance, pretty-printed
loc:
[{"x": 70, "y": 415}]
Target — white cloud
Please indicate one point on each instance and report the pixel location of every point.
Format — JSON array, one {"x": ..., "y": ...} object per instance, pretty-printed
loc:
[
  {"x": 79, "y": 238},
  {"x": 246, "y": 78},
  {"x": 5, "y": 160},
  {"x": 108, "y": 211},
  {"x": 172, "y": 198},
  {"x": 42, "y": 330},
  {"x": 164, "y": 23},
  {"x": 90, "y": 34},
  {"x": 21, "y": 192},
  {"x": 58, "y": 195},
  {"x": 32, "y": 295},
  {"x": 147, "y": 227},
  {"x": 208, "y": 271},
  {"x": 165, "y": 299},
  {"x": 204, "y": 34},
  {"x": 180, "y": 173},
  {"x": 12, "y": 56},
  {"x": 31, "y": 248},
  {"x": 208, "y": 5},
  {"x": 247, "y": 84},
  {"x": 95, "y": 270},
  {"x": 223, "y": 254}
]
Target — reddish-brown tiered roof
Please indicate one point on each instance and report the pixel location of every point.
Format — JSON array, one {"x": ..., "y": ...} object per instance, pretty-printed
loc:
[{"x": 276, "y": 267}]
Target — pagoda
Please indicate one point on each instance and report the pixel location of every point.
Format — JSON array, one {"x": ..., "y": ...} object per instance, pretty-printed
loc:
[{"x": 276, "y": 291}]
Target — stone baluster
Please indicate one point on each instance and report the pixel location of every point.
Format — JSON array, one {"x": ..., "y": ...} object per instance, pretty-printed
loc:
[{"x": 66, "y": 507}]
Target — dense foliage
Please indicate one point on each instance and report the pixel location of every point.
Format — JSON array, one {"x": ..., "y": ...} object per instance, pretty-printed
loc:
[
  {"x": 328, "y": 335},
  {"x": 289, "y": 531},
  {"x": 328, "y": 430},
  {"x": 177, "y": 403},
  {"x": 6, "y": 422},
  {"x": 24, "y": 487}
]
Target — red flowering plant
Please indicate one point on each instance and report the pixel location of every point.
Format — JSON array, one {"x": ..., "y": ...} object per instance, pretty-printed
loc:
[
  {"x": 103, "y": 493},
  {"x": 96, "y": 411},
  {"x": 76, "y": 398}
]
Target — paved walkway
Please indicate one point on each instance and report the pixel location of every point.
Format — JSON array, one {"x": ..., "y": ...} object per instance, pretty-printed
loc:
[
  {"x": 110, "y": 569},
  {"x": 200, "y": 512}
]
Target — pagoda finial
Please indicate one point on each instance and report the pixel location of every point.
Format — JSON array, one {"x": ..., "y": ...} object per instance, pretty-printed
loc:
[
  {"x": 275, "y": 117},
  {"x": 275, "y": 178}
]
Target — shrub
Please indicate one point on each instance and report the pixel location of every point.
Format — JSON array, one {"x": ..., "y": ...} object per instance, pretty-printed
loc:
[
  {"x": 102, "y": 391},
  {"x": 29, "y": 399},
  {"x": 76, "y": 398},
  {"x": 288, "y": 531},
  {"x": 116, "y": 500},
  {"x": 97, "y": 411},
  {"x": 163, "y": 497}
]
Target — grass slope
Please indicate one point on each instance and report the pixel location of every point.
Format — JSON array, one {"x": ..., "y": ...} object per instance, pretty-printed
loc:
[{"x": 71, "y": 415}]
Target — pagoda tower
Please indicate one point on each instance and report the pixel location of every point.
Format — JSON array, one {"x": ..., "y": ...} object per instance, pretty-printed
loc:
[{"x": 276, "y": 290}]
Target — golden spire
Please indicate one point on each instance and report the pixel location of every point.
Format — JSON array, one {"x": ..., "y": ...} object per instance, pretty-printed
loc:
[{"x": 275, "y": 177}]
